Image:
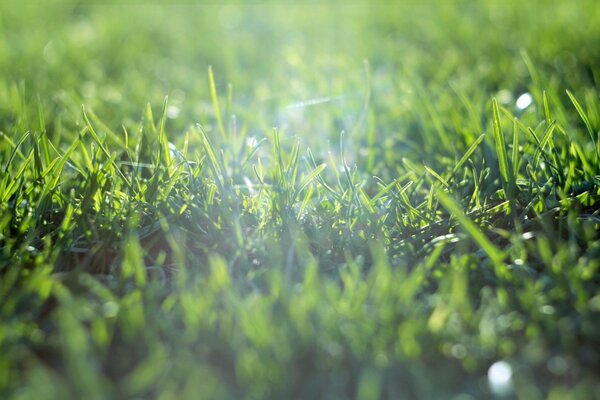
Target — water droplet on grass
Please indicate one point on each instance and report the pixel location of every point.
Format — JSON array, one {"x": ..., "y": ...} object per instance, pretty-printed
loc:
[
  {"x": 524, "y": 101},
  {"x": 459, "y": 351},
  {"x": 500, "y": 378},
  {"x": 175, "y": 153},
  {"x": 173, "y": 111},
  {"x": 251, "y": 141}
]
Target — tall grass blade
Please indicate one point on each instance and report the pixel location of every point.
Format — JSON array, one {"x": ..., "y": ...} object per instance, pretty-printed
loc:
[
  {"x": 507, "y": 180},
  {"x": 15, "y": 150},
  {"x": 585, "y": 120},
  {"x": 515, "y": 150},
  {"x": 102, "y": 148},
  {"x": 309, "y": 178},
  {"x": 215, "y": 100},
  {"x": 467, "y": 154},
  {"x": 495, "y": 255}
]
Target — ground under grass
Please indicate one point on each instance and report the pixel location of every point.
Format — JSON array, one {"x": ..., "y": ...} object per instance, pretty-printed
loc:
[{"x": 300, "y": 201}]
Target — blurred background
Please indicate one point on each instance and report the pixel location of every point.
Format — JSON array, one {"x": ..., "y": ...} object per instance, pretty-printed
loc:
[{"x": 310, "y": 69}]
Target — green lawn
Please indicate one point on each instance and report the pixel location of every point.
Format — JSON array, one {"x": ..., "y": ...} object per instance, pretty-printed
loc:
[{"x": 272, "y": 200}]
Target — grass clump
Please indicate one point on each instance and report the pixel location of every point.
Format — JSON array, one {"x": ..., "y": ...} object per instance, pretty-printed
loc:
[{"x": 423, "y": 224}]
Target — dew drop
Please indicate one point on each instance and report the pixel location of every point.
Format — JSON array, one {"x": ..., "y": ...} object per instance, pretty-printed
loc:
[
  {"x": 500, "y": 378},
  {"x": 524, "y": 101},
  {"x": 173, "y": 111},
  {"x": 251, "y": 141}
]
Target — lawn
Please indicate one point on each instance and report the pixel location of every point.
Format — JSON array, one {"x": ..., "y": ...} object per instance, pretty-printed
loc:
[{"x": 390, "y": 199}]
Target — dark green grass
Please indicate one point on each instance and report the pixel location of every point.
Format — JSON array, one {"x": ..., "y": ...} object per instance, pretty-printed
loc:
[{"x": 349, "y": 203}]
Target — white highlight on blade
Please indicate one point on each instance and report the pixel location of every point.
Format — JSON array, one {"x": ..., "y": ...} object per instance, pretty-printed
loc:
[{"x": 313, "y": 102}]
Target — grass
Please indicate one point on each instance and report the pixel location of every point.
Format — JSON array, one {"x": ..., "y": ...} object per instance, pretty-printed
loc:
[{"x": 287, "y": 201}]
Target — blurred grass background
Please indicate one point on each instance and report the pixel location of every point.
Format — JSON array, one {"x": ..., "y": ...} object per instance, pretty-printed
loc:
[{"x": 114, "y": 57}]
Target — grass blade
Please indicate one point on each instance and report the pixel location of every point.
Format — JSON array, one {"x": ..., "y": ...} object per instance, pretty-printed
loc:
[
  {"x": 515, "y": 150},
  {"x": 436, "y": 176},
  {"x": 467, "y": 154},
  {"x": 215, "y": 101},
  {"x": 102, "y": 148},
  {"x": 14, "y": 150},
  {"x": 162, "y": 137},
  {"x": 309, "y": 178},
  {"x": 585, "y": 119},
  {"x": 495, "y": 255},
  {"x": 507, "y": 181}
]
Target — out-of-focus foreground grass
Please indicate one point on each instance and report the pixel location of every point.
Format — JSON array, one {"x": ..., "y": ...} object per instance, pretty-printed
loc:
[{"x": 276, "y": 200}]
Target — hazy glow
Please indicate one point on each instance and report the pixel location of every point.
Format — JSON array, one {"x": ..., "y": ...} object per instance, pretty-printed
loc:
[{"x": 504, "y": 96}]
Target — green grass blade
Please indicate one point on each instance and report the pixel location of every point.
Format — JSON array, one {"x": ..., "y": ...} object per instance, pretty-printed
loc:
[
  {"x": 436, "y": 175},
  {"x": 43, "y": 134},
  {"x": 162, "y": 136},
  {"x": 14, "y": 150},
  {"x": 63, "y": 160},
  {"x": 344, "y": 164},
  {"x": 515, "y": 150},
  {"x": 305, "y": 202},
  {"x": 309, "y": 178},
  {"x": 215, "y": 166},
  {"x": 215, "y": 100},
  {"x": 507, "y": 181},
  {"x": 252, "y": 153},
  {"x": 467, "y": 154},
  {"x": 547, "y": 114},
  {"x": 9, "y": 191},
  {"x": 102, "y": 148},
  {"x": 495, "y": 255},
  {"x": 585, "y": 120}
]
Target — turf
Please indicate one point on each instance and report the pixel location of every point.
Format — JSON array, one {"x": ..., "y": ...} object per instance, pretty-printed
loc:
[{"x": 275, "y": 200}]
